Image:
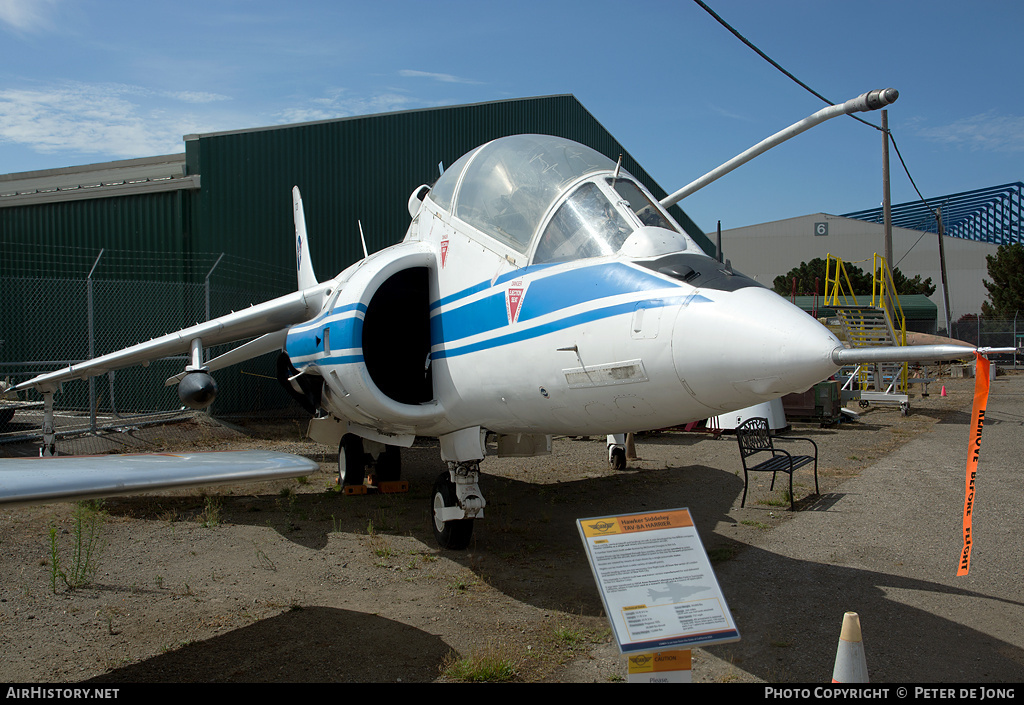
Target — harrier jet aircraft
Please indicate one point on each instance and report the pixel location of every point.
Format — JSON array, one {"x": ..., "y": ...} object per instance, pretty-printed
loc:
[{"x": 540, "y": 289}]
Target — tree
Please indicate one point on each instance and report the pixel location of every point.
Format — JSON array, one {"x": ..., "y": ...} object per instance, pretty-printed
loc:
[
  {"x": 1006, "y": 290},
  {"x": 810, "y": 279},
  {"x": 911, "y": 286}
]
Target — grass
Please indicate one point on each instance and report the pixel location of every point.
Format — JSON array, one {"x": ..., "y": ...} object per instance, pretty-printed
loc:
[
  {"x": 86, "y": 547},
  {"x": 487, "y": 667},
  {"x": 721, "y": 553},
  {"x": 210, "y": 516}
]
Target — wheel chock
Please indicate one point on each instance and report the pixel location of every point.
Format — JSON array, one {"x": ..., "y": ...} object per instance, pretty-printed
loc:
[
  {"x": 393, "y": 487},
  {"x": 390, "y": 487}
]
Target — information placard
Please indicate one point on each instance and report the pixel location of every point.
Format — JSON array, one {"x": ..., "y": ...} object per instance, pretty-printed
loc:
[{"x": 656, "y": 581}]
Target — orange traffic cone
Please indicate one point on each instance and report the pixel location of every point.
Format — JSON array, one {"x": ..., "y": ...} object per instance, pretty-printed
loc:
[
  {"x": 943, "y": 391},
  {"x": 851, "y": 667}
]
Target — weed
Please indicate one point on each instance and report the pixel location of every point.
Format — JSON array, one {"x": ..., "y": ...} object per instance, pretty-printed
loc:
[
  {"x": 262, "y": 559},
  {"x": 721, "y": 554},
  {"x": 210, "y": 516},
  {"x": 781, "y": 502},
  {"x": 381, "y": 547},
  {"x": 86, "y": 547},
  {"x": 488, "y": 667},
  {"x": 569, "y": 637}
]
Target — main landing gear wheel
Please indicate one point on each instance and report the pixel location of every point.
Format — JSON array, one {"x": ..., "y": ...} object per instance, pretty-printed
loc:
[
  {"x": 351, "y": 460},
  {"x": 455, "y": 534},
  {"x": 389, "y": 465},
  {"x": 617, "y": 458}
]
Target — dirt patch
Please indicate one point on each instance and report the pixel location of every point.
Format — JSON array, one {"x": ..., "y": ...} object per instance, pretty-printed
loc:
[{"x": 292, "y": 581}]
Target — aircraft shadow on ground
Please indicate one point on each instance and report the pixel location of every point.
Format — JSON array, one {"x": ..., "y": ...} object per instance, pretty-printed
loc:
[{"x": 308, "y": 645}]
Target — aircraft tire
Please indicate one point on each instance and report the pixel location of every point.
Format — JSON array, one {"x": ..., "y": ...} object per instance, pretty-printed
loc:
[
  {"x": 351, "y": 460},
  {"x": 617, "y": 458},
  {"x": 389, "y": 464},
  {"x": 452, "y": 535},
  {"x": 5, "y": 416}
]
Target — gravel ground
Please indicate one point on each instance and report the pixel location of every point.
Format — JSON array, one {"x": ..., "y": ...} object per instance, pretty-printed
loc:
[{"x": 293, "y": 582}]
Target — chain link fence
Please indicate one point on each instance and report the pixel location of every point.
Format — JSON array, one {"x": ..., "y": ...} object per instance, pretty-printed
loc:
[
  {"x": 992, "y": 333},
  {"x": 68, "y": 305}
]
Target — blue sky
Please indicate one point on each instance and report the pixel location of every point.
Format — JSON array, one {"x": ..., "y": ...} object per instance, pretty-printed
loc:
[{"x": 85, "y": 81}]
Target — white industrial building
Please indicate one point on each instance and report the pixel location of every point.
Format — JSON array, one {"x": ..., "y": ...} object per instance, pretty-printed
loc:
[{"x": 767, "y": 250}]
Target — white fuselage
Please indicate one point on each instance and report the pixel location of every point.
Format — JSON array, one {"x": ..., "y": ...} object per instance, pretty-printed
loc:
[{"x": 592, "y": 346}]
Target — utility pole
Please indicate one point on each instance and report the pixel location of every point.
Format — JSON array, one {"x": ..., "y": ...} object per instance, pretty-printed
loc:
[
  {"x": 886, "y": 205},
  {"x": 942, "y": 269}
]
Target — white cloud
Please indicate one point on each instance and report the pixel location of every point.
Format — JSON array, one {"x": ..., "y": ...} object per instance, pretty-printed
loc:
[
  {"x": 26, "y": 15},
  {"x": 443, "y": 77},
  {"x": 195, "y": 96},
  {"x": 339, "y": 104},
  {"x": 103, "y": 119},
  {"x": 987, "y": 131}
]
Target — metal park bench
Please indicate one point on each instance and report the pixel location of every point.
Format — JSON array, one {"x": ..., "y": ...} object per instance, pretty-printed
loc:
[{"x": 754, "y": 437}]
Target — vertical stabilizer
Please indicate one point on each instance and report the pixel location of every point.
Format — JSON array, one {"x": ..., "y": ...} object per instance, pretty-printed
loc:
[{"x": 303, "y": 262}]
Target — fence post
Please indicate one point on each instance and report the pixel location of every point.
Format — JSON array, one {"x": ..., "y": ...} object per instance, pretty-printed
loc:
[
  {"x": 1016, "y": 341},
  {"x": 206, "y": 286},
  {"x": 92, "y": 341}
]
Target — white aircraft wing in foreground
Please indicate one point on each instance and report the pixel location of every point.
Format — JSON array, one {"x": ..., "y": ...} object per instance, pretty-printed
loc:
[{"x": 72, "y": 478}]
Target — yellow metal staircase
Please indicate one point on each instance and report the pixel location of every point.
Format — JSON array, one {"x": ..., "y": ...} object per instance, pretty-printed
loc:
[{"x": 878, "y": 323}]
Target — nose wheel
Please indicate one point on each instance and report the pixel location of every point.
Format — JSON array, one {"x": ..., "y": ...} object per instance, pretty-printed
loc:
[
  {"x": 617, "y": 451},
  {"x": 453, "y": 534}
]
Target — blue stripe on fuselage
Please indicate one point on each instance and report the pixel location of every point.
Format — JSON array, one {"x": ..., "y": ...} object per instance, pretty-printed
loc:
[
  {"x": 544, "y": 296},
  {"x": 307, "y": 340},
  {"x": 561, "y": 324}
]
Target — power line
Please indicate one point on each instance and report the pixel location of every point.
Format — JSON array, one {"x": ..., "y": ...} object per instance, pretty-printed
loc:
[
  {"x": 775, "y": 64},
  {"x": 810, "y": 90}
]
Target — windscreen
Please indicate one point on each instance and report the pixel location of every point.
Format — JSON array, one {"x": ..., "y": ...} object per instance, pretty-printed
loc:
[
  {"x": 586, "y": 225},
  {"x": 506, "y": 187}
]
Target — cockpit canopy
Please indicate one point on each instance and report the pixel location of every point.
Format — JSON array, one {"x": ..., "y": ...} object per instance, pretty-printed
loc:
[{"x": 532, "y": 193}]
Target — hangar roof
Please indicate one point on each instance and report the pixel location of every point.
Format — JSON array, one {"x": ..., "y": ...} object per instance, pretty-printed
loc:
[
  {"x": 990, "y": 214},
  {"x": 119, "y": 178}
]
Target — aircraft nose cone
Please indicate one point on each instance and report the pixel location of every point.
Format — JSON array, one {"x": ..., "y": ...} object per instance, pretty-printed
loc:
[{"x": 748, "y": 346}]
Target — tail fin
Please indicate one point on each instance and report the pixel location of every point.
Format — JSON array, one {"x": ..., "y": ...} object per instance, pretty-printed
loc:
[{"x": 303, "y": 262}]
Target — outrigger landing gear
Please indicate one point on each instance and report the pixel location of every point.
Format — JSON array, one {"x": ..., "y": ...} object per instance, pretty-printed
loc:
[
  {"x": 49, "y": 448},
  {"x": 457, "y": 500}
]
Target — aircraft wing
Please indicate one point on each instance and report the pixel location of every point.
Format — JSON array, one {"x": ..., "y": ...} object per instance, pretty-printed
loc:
[
  {"x": 258, "y": 320},
  {"x": 72, "y": 478}
]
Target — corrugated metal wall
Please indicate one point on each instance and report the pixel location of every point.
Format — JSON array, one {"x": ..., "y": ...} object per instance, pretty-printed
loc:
[
  {"x": 63, "y": 238},
  {"x": 360, "y": 169}
]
